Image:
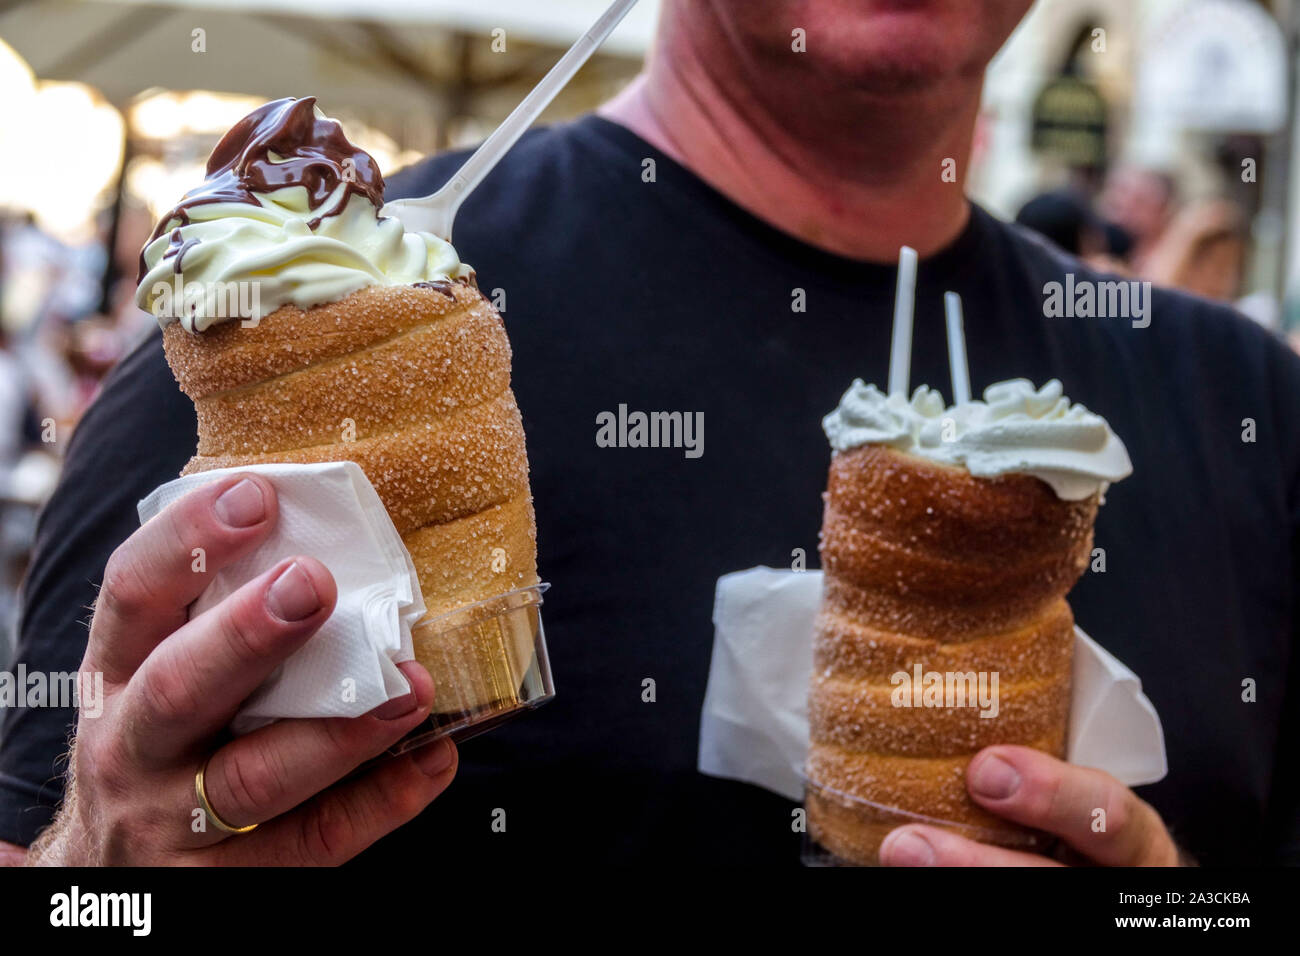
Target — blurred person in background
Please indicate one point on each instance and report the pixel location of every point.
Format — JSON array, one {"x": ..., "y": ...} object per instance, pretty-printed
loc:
[
  {"x": 1141, "y": 202},
  {"x": 92, "y": 347},
  {"x": 65, "y": 346},
  {"x": 1203, "y": 251},
  {"x": 15, "y": 408},
  {"x": 1066, "y": 218},
  {"x": 20, "y": 485}
]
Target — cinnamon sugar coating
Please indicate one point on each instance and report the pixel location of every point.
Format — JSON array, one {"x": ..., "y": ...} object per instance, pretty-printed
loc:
[
  {"x": 925, "y": 564},
  {"x": 412, "y": 384}
]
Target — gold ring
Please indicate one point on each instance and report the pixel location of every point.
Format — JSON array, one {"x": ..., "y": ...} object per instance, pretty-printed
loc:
[{"x": 217, "y": 822}]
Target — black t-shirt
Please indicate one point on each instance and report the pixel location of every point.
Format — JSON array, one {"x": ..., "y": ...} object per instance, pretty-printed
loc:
[{"x": 664, "y": 296}]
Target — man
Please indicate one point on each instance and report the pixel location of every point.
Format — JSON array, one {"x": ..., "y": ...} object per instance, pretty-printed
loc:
[{"x": 720, "y": 240}]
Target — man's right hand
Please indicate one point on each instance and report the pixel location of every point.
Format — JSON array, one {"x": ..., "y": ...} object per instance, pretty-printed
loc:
[{"x": 172, "y": 685}]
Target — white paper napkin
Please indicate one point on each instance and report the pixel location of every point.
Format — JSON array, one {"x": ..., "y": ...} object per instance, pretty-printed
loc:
[
  {"x": 330, "y": 512},
  {"x": 754, "y": 725}
]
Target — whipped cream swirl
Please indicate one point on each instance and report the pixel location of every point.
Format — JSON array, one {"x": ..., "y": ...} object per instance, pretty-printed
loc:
[
  {"x": 1016, "y": 429},
  {"x": 288, "y": 214}
]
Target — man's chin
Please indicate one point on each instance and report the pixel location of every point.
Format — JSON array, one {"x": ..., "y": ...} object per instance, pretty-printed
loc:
[
  {"x": 899, "y": 53},
  {"x": 890, "y": 74},
  {"x": 887, "y": 72},
  {"x": 891, "y": 46}
]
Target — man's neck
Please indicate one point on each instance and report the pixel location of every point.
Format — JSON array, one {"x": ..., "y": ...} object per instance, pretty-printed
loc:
[{"x": 854, "y": 174}]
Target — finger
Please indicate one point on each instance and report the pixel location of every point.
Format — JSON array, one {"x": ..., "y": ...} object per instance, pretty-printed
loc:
[
  {"x": 192, "y": 685},
  {"x": 343, "y": 821},
  {"x": 917, "y": 845},
  {"x": 272, "y": 770},
  {"x": 1090, "y": 810},
  {"x": 153, "y": 577}
]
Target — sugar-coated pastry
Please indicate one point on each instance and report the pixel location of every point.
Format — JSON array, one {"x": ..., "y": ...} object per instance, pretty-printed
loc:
[{"x": 949, "y": 541}]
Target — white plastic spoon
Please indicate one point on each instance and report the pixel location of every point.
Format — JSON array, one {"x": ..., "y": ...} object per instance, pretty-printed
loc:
[{"x": 437, "y": 213}]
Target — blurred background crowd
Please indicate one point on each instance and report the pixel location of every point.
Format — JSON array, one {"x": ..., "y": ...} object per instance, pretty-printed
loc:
[{"x": 1155, "y": 138}]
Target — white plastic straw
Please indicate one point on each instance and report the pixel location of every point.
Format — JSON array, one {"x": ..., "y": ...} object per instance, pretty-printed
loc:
[
  {"x": 957, "y": 349},
  {"x": 900, "y": 349}
]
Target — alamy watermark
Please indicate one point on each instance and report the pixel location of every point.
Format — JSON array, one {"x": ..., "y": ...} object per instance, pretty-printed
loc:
[
  {"x": 1089, "y": 299},
  {"x": 624, "y": 429},
  {"x": 83, "y": 690},
  {"x": 946, "y": 689},
  {"x": 178, "y": 299},
  {"x": 133, "y": 911}
]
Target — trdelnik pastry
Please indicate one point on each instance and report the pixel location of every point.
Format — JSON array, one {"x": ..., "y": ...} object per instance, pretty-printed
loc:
[
  {"x": 950, "y": 537},
  {"x": 369, "y": 344}
]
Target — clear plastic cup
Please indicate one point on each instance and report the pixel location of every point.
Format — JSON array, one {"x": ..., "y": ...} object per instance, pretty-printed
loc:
[
  {"x": 849, "y": 830},
  {"x": 488, "y": 662}
]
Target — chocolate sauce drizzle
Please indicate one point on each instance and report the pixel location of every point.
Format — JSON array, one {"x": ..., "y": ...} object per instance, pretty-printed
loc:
[
  {"x": 447, "y": 286},
  {"x": 313, "y": 153},
  {"x": 177, "y": 246},
  {"x": 437, "y": 285}
]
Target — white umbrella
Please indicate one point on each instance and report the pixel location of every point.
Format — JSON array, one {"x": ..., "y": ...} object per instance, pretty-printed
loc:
[{"x": 392, "y": 56}]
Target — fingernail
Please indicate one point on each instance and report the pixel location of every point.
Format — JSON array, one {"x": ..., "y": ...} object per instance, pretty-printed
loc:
[
  {"x": 397, "y": 707},
  {"x": 906, "y": 848},
  {"x": 994, "y": 778},
  {"x": 433, "y": 759},
  {"x": 241, "y": 505},
  {"x": 291, "y": 596}
]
